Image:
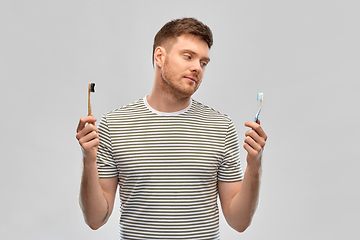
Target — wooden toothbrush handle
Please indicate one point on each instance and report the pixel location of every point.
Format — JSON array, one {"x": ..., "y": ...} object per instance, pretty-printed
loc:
[{"x": 89, "y": 104}]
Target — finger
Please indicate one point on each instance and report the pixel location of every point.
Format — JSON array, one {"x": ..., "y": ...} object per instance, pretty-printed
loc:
[
  {"x": 84, "y": 120},
  {"x": 89, "y": 150},
  {"x": 252, "y": 152},
  {"x": 88, "y": 137},
  {"x": 86, "y": 130},
  {"x": 257, "y": 128},
  {"x": 255, "y": 136},
  {"x": 253, "y": 144},
  {"x": 90, "y": 144}
]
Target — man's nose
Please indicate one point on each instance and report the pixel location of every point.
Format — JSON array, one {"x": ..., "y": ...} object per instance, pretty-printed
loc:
[{"x": 196, "y": 67}]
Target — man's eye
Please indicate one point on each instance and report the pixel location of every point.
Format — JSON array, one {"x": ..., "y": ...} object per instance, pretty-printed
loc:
[
  {"x": 187, "y": 56},
  {"x": 203, "y": 64}
]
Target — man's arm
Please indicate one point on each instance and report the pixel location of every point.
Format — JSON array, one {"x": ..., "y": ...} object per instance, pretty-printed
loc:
[
  {"x": 239, "y": 200},
  {"x": 96, "y": 195}
]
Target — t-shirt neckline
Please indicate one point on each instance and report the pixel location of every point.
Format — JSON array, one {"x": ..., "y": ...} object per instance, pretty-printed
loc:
[{"x": 166, "y": 113}]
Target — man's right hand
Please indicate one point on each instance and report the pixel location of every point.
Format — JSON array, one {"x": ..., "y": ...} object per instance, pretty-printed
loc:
[
  {"x": 88, "y": 137},
  {"x": 97, "y": 195}
]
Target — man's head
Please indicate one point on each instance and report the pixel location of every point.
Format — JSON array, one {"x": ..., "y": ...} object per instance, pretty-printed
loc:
[{"x": 167, "y": 35}]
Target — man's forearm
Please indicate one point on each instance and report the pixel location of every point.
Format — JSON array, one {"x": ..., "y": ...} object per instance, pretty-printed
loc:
[
  {"x": 93, "y": 202},
  {"x": 243, "y": 206}
]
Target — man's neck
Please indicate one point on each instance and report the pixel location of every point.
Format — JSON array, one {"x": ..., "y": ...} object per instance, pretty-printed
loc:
[{"x": 167, "y": 103}]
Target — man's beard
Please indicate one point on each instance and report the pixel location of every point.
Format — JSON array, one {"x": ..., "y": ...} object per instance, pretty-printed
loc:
[{"x": 175, "y": 86}]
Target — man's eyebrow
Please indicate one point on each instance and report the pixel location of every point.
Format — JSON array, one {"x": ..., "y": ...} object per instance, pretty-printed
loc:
[{"x": 194, "y": 53}]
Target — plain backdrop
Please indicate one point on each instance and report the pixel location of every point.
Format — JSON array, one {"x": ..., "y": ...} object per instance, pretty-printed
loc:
[{"x": 303, "y": 55}]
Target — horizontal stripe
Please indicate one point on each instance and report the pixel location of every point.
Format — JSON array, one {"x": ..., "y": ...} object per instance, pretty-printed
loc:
[{"x": 168, "y": 168}]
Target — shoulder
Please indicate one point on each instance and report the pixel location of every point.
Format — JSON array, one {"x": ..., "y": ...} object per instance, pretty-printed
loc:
[
  {"x": 208, "y": 113},
  {"x": 131, "y": 110}
]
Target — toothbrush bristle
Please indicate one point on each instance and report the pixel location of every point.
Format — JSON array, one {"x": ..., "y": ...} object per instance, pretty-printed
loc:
[
  {"x": 92, "y": 87},
  {"x": 260, "y": 96}
]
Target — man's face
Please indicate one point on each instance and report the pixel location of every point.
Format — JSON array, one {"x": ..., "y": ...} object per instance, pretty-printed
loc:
[{"x": 184, "y": 65}]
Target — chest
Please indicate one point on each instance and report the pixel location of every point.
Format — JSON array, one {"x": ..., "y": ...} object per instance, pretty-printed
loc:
[{"x": 168, "y": 149}]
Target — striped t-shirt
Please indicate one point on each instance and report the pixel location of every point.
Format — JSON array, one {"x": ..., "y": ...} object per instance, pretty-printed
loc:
[{"x": 168, "y": 165}]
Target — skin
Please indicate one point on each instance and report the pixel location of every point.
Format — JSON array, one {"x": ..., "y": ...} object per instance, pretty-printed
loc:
[
  {"x": 178, "y": 73},
  {"x": 179, "y": 70},
  {"x": 97, "y": 195},
  {"x": 239, "y": 200}
]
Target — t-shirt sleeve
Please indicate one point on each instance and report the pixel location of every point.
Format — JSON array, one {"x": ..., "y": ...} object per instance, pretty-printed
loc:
[
  {"x": 230, "y": 169},
  {"x": 105, "y": 162}
]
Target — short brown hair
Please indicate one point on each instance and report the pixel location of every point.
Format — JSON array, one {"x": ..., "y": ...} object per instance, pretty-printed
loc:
[{"x": 177, "y": 27}]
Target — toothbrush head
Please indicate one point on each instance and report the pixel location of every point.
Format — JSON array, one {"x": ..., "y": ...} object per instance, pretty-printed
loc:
[
  {"x": 260, "y": 97},
  {"x": 92, "y": 87}
]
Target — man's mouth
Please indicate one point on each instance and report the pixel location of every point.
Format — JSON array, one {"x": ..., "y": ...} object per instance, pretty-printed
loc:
[{"x": 191, "y": 79}]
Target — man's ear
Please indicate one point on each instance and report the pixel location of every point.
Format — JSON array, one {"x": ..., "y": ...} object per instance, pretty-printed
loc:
[{"x": 159, "y": 56}]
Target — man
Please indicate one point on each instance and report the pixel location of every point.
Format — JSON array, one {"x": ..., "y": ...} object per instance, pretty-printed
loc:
[{"x": 169, "y": 154}]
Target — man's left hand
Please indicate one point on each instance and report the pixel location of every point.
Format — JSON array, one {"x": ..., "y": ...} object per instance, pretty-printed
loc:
[{"x": 254, "y": 143}]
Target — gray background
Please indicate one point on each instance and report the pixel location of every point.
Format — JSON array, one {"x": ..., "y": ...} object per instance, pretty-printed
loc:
[{"x": 304, "y": 56}]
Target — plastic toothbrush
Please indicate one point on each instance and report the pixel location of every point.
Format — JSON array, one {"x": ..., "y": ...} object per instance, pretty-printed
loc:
[{"x": 260, "y": 97}]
